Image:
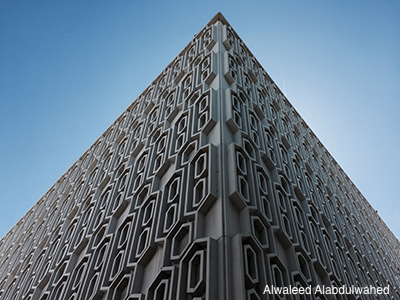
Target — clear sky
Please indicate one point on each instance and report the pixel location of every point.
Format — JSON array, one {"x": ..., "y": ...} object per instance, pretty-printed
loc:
[{"x": 68, "y": 69}]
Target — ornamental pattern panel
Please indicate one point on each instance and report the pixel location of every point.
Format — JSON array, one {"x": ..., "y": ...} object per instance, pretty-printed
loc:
[{"x": 209, "y": 186}]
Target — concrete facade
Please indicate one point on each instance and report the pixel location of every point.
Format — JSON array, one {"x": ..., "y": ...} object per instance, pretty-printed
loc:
[{"x": 209, "y": 186}]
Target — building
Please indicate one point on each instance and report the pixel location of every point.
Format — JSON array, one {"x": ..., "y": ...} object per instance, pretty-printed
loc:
[{"x": 209, "y": 186}]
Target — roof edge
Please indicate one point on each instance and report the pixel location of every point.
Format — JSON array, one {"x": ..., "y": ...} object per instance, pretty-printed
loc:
[{"x": 218, "y": 17}]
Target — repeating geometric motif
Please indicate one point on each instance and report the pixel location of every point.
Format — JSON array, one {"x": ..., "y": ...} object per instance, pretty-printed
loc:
[{"x": 209, "y": 186}]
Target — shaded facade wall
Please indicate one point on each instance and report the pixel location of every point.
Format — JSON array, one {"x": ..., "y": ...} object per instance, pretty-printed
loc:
[{"x": 209, "y": 186}]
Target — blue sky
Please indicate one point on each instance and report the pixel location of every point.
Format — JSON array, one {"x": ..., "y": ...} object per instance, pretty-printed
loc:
[{"x": 68, "y": 69}]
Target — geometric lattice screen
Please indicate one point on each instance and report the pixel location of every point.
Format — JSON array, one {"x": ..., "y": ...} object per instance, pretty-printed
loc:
[{"x": 209, "y": 186}]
